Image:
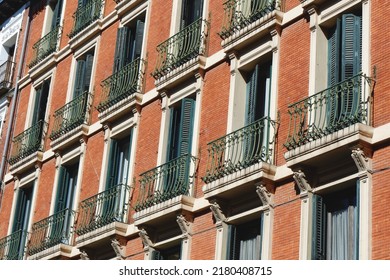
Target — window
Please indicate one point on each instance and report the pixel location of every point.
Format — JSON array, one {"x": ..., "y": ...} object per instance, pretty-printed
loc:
[
  {"x": 344, "y": 63},
  {"x": 181, "y": 129},
  {"x": 66, "y": 187},
  {"x": 244, "y": 241},
  {"x": 2, "y": 120},
  {"x": 191, "y": 11},
  {"x": 83, "y": 74},
  {"x": 21, "y": 221},
  {"x": 129, "y": 43},
  {"x": 40, "y": 102},
  {"x": 335, "y": 225},
  {"x": 55, "y": 10},
  {"x": 119, "y": 162},
  {"x": 171, "y": 253}
]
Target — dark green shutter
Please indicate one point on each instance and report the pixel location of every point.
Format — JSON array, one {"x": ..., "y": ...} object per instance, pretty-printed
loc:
[
  {"x": 63, "y": 179},
  {"x": 23, "y": 208},
  {"x": 112, "y": 164},
  {"x": 251, "y": 96},
  {"x": 156, "y": 255},
  {"x": 88, "y": 72},
  {"x": 334, "y": 55},
  {"x": 232, "y": 244},
  {"x": 37, "y": 102},
  {"x": 186, "y": 126},
  {"x": 79, "y": 80},
  {"x": 121, "y": 48},
  {"x": 139, "y": 36},
  {"x": 319, "y": 229},
  {"x": 191, "y": 11},
  {"x": 173, "y": 139},
  {"x": 56, "y": 19}
]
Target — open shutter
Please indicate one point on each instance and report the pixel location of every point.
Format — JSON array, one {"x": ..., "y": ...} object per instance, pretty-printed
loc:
[
  {"x": 334, "y": 55},
  {"x": 88, "y": 72},
  {"x": 121, "y": 47},
  {"x": 56, "y": 19},
  {"x": 112, "y": 168},
  {"x": 186, "y": 126},
  {"x": 319, "y": 229},
  {"x": 173, "y": 140},
  {"x": 139, "y": 36},
  {"x": 79, "y": 80},
  {"x": 36, "y": 114},
  {"x": 22, "y": 211},
  {"x": 251, "y": 96},
  {"x": 63, "y": 182}
]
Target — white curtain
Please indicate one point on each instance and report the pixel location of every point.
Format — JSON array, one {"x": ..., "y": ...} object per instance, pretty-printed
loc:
[{"x": 250, "y": 248}]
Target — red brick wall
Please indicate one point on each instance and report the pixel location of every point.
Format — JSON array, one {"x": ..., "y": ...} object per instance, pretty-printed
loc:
[
  {"x": 6, "y": 208},
  {"x": 203, "y": 238}
]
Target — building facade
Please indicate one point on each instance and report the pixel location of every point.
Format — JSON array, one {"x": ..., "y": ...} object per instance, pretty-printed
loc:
[{"x": 194, "y": 129}]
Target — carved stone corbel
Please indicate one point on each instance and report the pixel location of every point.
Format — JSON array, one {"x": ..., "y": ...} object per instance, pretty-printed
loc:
[
  {"x": 265, "y": 196},
  {"x": 300, "y": 179},
  {"x": 185, "y": 226},
  {"x": 145, "y": 239},
  {"x": 217, "y": 212},
  {"x": 360, "y": 159},
  {"x": 118, "y": 249},
  {"x": 84, "y": 256}
]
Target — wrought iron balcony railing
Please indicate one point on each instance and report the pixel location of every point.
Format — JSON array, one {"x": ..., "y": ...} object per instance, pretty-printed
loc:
[
  {"x": 240, "y": 149},
  {"x": 185, "y": 45},
  {"x": 330, "y": 110},
  {"x": 71, "y": 115},
  {"x": 6, "y": 75},
  {"x": 104, "y": 208},
  {"x": 28, "y": 142},
  {"x": 85, "y": 15},
  {"x": 12, "y": 247},
  {"x": 51, "y": 231},
  {"x": 165, "y": 182},
  {"x": 122, "y": 84},
  {"x": 45, "y": 46},
  {"x": 240, "y": 13}
]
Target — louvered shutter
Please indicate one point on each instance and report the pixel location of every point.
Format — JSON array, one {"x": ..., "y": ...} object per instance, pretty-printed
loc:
[
  {"x": 139, "y": 35},
  {"x": 112, "y": 168},
  {"x": 61, "y": 190},
  {"x": 232, "y": 243},
  {"x": 251, "y": 96},
  {"x": 22, "y": 210},
  {"x": 79, "y": 80},
  {"x": 56, "y": 19},
  {"x": 319, "y": 229},
  {"x": 173, "y": 139},
  {"x": 186, "y": 126},
  {"x": 121, "y": 47},
  {"x": 88, "y": 72}
]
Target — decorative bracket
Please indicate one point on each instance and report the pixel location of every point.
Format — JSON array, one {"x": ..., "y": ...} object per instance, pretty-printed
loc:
[
  {"x": 84, "y": 256},
  {"x": 360, "y": 159},
  {"x": 145, "y": 239},
  {"x": 265, "y": 196},
  {"x": 118, "y": 249},
  {"x": 185, "y": 226},
  {"x": 300, "y": 179},
  {"x": 217, "y": 212}
]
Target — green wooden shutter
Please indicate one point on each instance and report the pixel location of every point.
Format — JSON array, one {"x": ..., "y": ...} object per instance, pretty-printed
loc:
[
  {"x": 319, "y": 229},
  {"x": 251, "y": 96},
  {"x": 56, "y": 19},
  {"x": 120, "y": 48},
  {"x": 156, "y": 255},
  {"x": 112, "y": 164},
  {"x": 22, "y": 210},
  {"x": 173, "y": 139},
  {"x": 88, "y": 72},
  {"x": 37, "y": 102},
  {"x": 61, "y": 195},
  {"x": 79, "y": 79},
  {"x": 334, "y": 55},
  {"x": 351, "y": 46},
  {"x": 186, "y": 126},
  {"x": 139, "y": 36},
  {"x": 232, "y": 244}
]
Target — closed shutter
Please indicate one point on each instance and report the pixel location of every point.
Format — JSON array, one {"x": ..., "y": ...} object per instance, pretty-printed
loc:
[
  {"x": 186, "y": 126},
  {"x": 112, "y": 168},
  {"x": 319, "y": 229},
  {"x": 22, "y": 210},
  {"x": 80, "y": 76}
]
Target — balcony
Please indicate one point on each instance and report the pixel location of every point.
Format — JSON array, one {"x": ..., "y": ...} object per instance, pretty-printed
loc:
[
  {"x": 121, "y": 89},
  {"x": 6, "y": 70},
  {"x": 330, "y": 123},
  {"x": 45, "y": 46},
  {"x": 239, "y": 149},
  {"x": 240, "y": 13},
  {"x": 72, "y": 115},
  {"x": 329, "y": 111},
  {"x": 165, "y": 182},
  {"x": 12, "y": 247},
  {"x": 52, "y": 231},
  {"x": 28, "y": 142},
  {"x": 183, "y": 47},
  {"x": 85, "y": 15},
  {"x": 103, "y": 209}
]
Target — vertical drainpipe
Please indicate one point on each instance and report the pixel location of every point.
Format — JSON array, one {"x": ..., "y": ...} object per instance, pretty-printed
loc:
[{"x": 13, "y": 107}]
